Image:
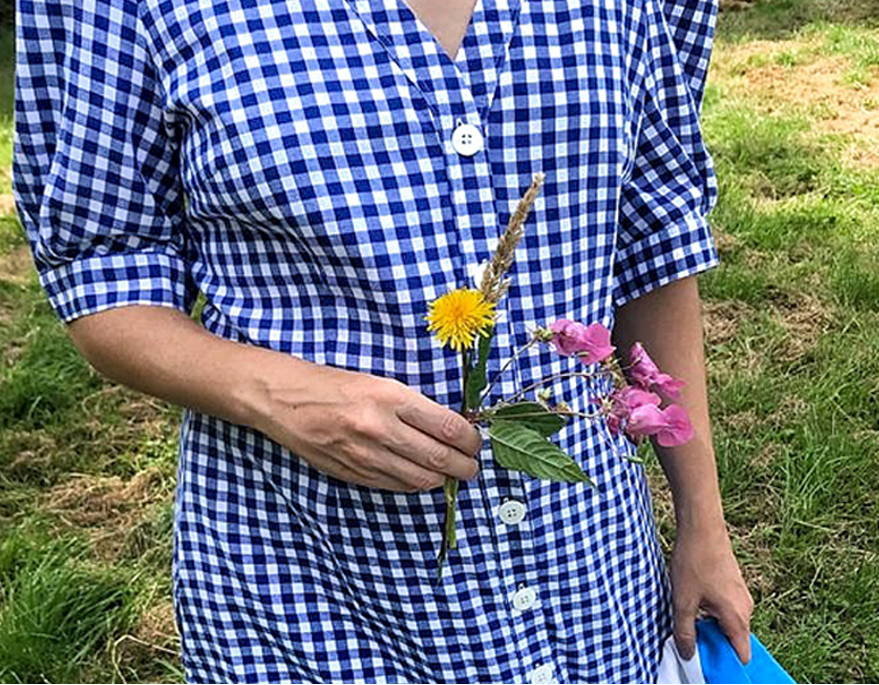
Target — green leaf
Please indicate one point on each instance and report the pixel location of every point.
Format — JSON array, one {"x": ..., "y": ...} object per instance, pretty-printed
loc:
[
  {"x": 535, "y": 416},
  {"x": 477, "y": 380},
  {"x": 519, "y": 448}
]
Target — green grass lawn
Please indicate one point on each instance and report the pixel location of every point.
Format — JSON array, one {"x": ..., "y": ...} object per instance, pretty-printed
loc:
[{"x": 792, "y": 323}]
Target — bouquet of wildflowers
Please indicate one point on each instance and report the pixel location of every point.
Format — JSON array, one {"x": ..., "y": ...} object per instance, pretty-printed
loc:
[{"x": 520, "y": 427}]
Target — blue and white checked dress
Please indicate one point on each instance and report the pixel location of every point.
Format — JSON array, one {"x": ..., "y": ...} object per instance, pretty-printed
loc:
[{"x": 294, "y": 161}]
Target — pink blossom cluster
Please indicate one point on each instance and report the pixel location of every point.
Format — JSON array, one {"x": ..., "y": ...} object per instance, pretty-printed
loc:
[{"x": 634, "y": 409}]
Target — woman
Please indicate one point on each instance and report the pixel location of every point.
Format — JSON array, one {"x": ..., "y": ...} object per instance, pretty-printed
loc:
[{"x": 321, "y": 170}]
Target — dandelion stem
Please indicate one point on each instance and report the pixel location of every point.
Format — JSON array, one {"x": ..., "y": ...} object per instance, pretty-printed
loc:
[{"x": 450, "y": 488}]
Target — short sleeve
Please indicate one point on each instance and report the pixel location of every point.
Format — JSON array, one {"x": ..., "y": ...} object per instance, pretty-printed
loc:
[
  {"x": 691, "y": 26},
  {"x": 95, "y": 173},
  {"x": 663, "y": 232}
]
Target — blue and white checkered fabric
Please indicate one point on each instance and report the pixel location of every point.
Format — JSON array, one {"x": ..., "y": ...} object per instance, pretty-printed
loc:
[{"x": 293, "y": 160}]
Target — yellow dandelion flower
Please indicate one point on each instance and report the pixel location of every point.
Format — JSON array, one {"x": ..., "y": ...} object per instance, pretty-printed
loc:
[{"x": 459, "y": 316}]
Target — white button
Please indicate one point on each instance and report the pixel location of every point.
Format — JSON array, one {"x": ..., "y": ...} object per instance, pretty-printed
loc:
[
  {"x": 542, "y": 675},
  {"x": 512, "y": 512},
  {"x": 467, "y": 140},
  {"x": 524, "y": 598}
]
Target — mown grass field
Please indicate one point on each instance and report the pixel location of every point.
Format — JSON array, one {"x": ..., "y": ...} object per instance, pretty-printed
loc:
[{"x": 792, "y": 325}]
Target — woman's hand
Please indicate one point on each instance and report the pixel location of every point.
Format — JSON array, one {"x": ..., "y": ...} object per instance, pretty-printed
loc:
[
  {"x": 706, "y": 576},
  {"x": 367, "y": 430}
]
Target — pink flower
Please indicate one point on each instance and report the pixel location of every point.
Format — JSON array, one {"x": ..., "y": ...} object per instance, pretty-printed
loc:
[
  {"x": 637, "y": 413},
  {"x": 645, "y": 420},
  {"x": 625, "y": 401},
  {"x": 678, "y": 429},
  {"x": 645, "y": 373},
  {"x": 590, "y": 343},
  {"x": 632, "y": 397},
  {"x": 596, "y": 340},
  {"x": 566, "y": 336},
  {"x": 670, "y": 426}
]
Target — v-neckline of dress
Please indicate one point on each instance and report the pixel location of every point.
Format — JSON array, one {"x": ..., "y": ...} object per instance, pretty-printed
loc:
[
  {"x": 475, "y": 70},
  {"x": 459, "y": 48}
]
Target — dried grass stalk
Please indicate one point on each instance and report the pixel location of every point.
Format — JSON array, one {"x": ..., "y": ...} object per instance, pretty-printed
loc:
[{"x": 494, "y": 282}]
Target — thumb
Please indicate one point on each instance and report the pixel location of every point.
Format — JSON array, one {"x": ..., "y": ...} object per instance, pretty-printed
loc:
[{"x": 685, "y": 630}]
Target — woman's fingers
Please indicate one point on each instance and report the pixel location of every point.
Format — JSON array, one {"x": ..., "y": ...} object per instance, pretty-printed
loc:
[
  {"x": 734, "y": 618},
  {"x": 441, "y": 423},
  {"x": 415, "y": 477},
  {"x": 384, "y": 470},
  {"x": 685, "y": 625},
  {"x": 738, "y": 633},
  {"x": 431, "y": 454}
]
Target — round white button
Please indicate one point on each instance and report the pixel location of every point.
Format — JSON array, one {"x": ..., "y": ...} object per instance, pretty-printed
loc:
[
  {"x": 542, "y": 675},
  {"x": 512, "y": 512},
  {"x": 467, "y": 140},
  {"x": 524, "y": 598}
]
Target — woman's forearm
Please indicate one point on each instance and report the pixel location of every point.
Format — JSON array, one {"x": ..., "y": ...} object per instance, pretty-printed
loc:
[
  {"x": 164, "y": 353},
  {"x": 668, "y": 322}
]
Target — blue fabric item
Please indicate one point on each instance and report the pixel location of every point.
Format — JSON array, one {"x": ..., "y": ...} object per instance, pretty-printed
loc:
[
  {"x": 294, "y": 162},
  {"x": 721, "y": 664}
]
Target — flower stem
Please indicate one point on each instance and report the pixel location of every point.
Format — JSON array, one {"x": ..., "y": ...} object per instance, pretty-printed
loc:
[
  {"x": 617, "y": 372},
  {"x": 549, "y": 379},
  {"x": 489, "y": 414},
  {"x": 450, "y": 489},
  {"x": 518, "y": 353}
]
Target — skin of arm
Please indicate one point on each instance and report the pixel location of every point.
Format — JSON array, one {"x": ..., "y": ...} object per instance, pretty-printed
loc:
[
  {"x": 357, "y": 427},
  {"x": 704, "y": 572}
]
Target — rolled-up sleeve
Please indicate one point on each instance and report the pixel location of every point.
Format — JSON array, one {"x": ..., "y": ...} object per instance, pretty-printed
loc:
[
  {"x": 95, "y": 171},
  {"x": 663, "y": 232}
]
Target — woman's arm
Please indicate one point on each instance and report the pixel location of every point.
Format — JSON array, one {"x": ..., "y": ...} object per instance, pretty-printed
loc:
[
  {"x": 360, "y": 428},
  {"x": 704, "y": 572}
]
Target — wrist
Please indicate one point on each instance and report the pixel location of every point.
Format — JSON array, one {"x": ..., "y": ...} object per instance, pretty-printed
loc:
[
  {"x": 698, "y": 508},
  {"x": 704, "y": 520},
  {"x": 692, "y": 475},
  {"x": 255, "y": 394}
]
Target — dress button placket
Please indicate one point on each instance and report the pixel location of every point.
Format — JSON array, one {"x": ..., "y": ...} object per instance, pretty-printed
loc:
[
  {"x": 518, "y": 566},
  {"x": 477, "y": 231}
]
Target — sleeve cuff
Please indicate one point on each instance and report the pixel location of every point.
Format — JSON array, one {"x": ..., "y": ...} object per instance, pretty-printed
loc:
[
  {"x": 89, "y": 285},
  {"x": 664, "y": 256}
]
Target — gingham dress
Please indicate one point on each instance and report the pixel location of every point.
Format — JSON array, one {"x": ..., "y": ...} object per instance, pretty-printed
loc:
[{"x": 303, "y": 164}]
